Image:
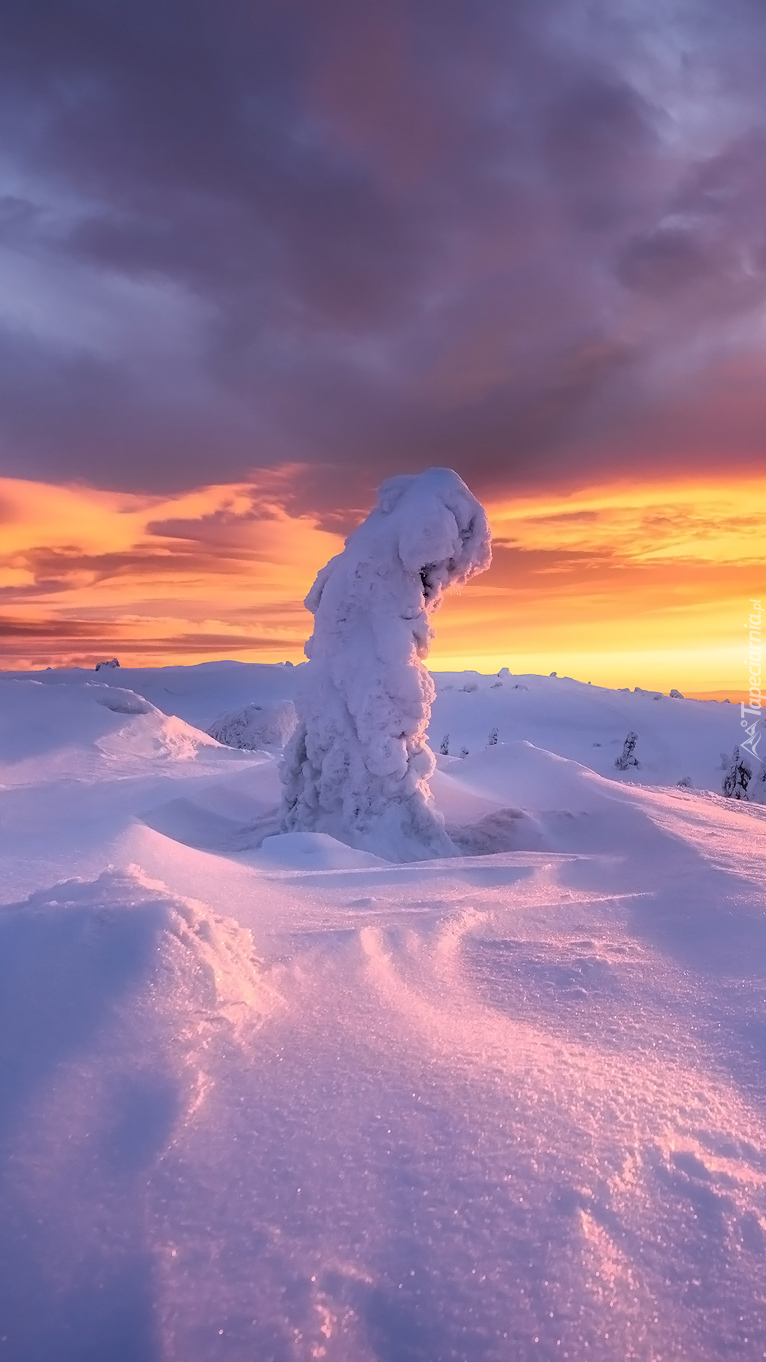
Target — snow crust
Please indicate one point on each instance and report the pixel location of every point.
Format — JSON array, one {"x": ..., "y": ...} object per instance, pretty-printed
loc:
[
  {"x": 358, "y": 765},
  {"x": 269, "y": 1095}
]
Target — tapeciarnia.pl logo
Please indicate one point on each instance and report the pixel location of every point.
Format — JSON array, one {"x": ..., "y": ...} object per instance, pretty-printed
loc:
[{"x": 753, "y": 660}]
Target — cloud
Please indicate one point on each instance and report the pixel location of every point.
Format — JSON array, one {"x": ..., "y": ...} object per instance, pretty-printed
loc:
[
  {"x": 524, "y": 240},
  {"x": 624, "y": 582},
  {"x": 223, "y": 567}
]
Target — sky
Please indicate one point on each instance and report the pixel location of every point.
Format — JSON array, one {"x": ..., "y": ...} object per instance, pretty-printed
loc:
[{"x": 255, "y": 257}]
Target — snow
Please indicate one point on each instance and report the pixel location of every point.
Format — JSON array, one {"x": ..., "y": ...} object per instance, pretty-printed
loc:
[
  {"x": 256, "y": 726},
  {"x": 313, "y": 851},
  {"x": 358, "y": 765},
  {"x": 273, "y": 1096}
]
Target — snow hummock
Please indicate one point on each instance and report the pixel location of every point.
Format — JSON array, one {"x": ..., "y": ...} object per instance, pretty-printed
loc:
[
  {"x": 313, "y": 851},
  {"x": 358, "y": 765}
]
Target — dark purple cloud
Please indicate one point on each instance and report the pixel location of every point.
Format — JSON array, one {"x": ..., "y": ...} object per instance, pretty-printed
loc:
[{"x": 527, "y": 240}]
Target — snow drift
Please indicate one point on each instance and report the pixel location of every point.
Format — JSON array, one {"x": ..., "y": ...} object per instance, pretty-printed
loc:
[
  {"x": 288, "y": 1101},
  {"x": 358, "y": 765}
]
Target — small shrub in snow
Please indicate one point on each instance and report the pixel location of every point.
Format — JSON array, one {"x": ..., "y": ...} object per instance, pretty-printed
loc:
[
  {"x": 358, "y": 765},
  {"x": 470, "y": 686},
  {"x": 444, "y": 745},
  {"x": 101, "y": 666},
  {"x": 626, "y": 757},
  {"x": 737, "y": 780},
  {"x": 256, "y": 726},
  {"x": 496, "y": 685},
  {"x": 676, "y": 695},
  {"x": 553, "y": 673},
  {"x": 493, "y": 737},
  {"x": 685, "y": 783},
  {"x": 464, "y": 751}
]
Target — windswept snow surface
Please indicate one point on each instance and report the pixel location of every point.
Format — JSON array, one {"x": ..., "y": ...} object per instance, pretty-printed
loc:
[{"x": 270, "y": 1098}]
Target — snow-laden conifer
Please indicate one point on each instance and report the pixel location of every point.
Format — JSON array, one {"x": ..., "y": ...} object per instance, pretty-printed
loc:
[
  {"x": 256, "y": 725},
  {"x": 358, "y": 765},
  {"x": 626, "y": 757},
  {"x": 736, "y": 782}
]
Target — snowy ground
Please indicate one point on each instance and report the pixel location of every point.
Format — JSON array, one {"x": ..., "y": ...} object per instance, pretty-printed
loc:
[{"x": 288, "y": 1101}]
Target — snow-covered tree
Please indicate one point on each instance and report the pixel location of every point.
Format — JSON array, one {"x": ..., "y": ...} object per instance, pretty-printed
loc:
[
  {"x": 256, "y": 726},
  {"x": 493, "y": 737},
  {"x": 737, "y": 780},
  {"x": 358, "y": 765},
  {"x": 444, "y": 745},
  {"x": 626, "y": 757}
]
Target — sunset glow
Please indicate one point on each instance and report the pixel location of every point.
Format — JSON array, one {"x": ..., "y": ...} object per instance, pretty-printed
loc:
[
  {"x": 619, "y": 584},
  {"x": 248, "y": 278}
]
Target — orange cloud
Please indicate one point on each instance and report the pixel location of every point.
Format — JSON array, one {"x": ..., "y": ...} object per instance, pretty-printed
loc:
[
  {"x": 625, "y": 584},
  {"x": 220, "y": 571}
]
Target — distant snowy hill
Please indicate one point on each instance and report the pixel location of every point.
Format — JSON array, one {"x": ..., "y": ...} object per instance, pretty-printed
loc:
[
  {"x": 269, "y": 1097},
  {"x": 676, "y": 737}
]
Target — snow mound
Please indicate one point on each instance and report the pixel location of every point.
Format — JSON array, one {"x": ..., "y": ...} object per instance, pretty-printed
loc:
[
  {"x": 256, "y": 726},
  {"x": 121, "y": 1004},
  {"x": 358, "y": 765},
  {"x": 121, "y": 701},
  {"x": 516, "y": 797},
  {"x": 227, "y": 816},
  {"x": 533, "y": 779},
  {"x": 154, "y": 736},
  {"x": 313, "y": 851},
  {"x": 70, "y": 951},
  {"x": 68, "y": 727}
]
